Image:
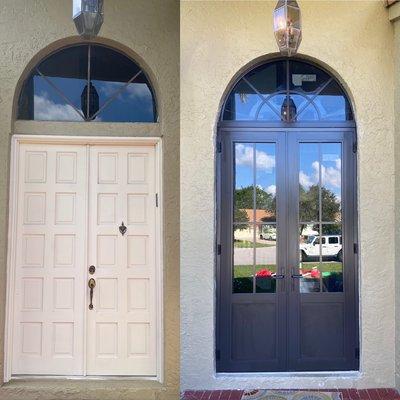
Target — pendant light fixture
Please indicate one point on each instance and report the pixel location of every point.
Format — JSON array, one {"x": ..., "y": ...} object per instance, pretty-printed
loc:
[
  {"x": 88, "y": 16},
  {"x": 287, "y": 26}
]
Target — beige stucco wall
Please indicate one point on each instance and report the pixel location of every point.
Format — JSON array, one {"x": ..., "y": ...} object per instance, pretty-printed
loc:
[
  {"x": 394, "y": 16},
  {"x": 354, "y": 39},
  {"x": 148, "y": 30}
]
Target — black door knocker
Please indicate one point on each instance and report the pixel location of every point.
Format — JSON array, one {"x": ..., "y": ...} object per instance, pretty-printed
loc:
[{"x": 122, "y": 229}]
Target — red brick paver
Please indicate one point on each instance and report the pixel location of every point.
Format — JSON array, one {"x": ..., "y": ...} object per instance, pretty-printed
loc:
[{"x": 347, "y": 394}]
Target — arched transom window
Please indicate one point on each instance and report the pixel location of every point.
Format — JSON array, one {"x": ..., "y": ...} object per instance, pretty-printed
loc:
[
  {"x": 288, "y": 91},
  {"x": 87, "y": 82}
]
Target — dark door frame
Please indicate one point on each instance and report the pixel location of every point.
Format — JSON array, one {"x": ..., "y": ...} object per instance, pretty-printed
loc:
[{"x": 253, "y": 130}]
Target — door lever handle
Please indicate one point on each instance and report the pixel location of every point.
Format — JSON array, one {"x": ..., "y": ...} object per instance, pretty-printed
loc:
[
  {"x": 278, "y": 276},
  {"x": 91, "y": 284},
  {"x": 297, "y": 276}
]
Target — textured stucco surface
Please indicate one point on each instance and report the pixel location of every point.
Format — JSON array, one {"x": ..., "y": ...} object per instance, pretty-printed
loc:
[
  {"x": 396, "y": 25},
  {"x": 354, "y": 39},
  {"x": 148, "y": 30}
]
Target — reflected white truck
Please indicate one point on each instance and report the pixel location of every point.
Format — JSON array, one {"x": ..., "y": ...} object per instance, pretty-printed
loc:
[{"x": 331, "y": 247}]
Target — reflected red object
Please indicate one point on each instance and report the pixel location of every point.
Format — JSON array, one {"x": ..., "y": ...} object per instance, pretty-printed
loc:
[
  {"x": 263, "y": 273},
  {"x": 315, "y": 273}
]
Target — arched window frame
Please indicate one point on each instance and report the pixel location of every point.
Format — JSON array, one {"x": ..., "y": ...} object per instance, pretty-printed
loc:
[
  {"x": 309, "y": 97},
  {"x": 86, "y": 118}
]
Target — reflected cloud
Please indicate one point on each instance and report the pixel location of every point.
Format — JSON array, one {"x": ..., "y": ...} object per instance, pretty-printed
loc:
[
  {"x": 271, "y": 189},
  {"x": 331, "y": 176},
  {"x": 47, "y": 110},
  {"x": 245, "y": 156},
  {"x": 138, "y": 91}
]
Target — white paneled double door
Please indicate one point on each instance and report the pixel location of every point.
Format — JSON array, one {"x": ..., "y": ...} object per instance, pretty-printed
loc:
[{"x": 85, "y": 216}]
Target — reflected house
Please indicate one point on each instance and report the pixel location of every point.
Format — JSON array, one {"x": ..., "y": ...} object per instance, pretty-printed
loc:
[{"x": 257, "y": 219}]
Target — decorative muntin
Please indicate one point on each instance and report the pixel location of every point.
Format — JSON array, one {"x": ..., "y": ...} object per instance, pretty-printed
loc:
[
  {"x": 287, "y": 26},
  {"x": 88, "y": 16}
]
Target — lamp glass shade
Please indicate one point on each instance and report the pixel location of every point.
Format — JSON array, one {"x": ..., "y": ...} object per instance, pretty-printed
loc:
[
  {"x": 88, "y": 16},
  {"x": 287, "y": 26}
]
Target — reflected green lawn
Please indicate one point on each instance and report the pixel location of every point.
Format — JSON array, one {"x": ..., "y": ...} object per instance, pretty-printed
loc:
[
  {"x": 243, "y": 271},
  {"x": 324, "y": 267}
]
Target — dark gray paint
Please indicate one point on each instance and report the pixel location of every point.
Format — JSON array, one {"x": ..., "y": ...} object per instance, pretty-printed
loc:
[{"x": 286, "y": 331}]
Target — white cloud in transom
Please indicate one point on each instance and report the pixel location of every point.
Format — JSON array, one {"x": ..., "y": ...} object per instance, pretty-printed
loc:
[
  {"x": 245, "y": 157},
  {"x": 139, "y": 91},
  {"x": 47, "y": 110}
]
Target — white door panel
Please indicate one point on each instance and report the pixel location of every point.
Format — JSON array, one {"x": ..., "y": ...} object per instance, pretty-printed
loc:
[
  {"x": 121, "y": 327},
  {"x": 51, "y": 253},
  {"x": 71, "y": 202}
]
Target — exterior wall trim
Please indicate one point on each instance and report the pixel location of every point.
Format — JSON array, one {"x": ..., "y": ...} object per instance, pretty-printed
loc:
[
  {"x": 11, "y": 247},
  {"x": 97, "y": 129}
]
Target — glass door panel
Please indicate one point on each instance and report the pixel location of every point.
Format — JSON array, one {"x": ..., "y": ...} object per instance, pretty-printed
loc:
[
  {"x": 254, "y": 218},
  {"x": 266, "y": 259},
  {"x": 320, "y": 229},
  {"x": 243, "y": 259}
]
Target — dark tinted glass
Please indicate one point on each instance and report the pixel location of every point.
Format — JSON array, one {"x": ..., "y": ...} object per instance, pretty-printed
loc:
[
  {"x": 247, "y": 100},
  {"x": 265, "y": 94},
  {"x": 110, "y": 72},
  {"x": 54, "y": 93},
  {"x": 333, "y": 104},
  {"x": 306, "y": 77},
  {"x": 58, "y": 89}
]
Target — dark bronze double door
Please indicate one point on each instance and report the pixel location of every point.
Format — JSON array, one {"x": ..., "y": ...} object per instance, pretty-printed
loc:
[{"x": 287, "y": 276}]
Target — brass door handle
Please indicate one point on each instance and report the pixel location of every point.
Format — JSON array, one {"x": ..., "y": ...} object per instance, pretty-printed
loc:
[{"x": 91, "y": 284}]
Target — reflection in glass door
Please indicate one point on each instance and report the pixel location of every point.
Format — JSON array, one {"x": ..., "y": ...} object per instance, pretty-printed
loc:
[
  {"x": 320, "y": 227},
  {"x": 255, "y": 236}
]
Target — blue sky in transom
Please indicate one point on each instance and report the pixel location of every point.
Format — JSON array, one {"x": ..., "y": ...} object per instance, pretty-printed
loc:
[
  {"x": 134, "y": 104},
  {"x": 310, "y": 167}
]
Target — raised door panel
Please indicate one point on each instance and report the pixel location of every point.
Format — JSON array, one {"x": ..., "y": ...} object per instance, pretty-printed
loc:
[
  {"x": 122, "y": 325},
  {"x": 51, "y": 236}
]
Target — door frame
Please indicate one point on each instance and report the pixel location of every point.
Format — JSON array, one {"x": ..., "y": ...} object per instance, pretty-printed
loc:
[
  {"x": 258, "y": 127},
  {"x": 16, "y": 141}
]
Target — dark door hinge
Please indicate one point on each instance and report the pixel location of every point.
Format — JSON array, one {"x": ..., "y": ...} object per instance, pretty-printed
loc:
[
  {"x": 357, "y": 353},
  {"x": 355, "y": 146},
  {"x": 355, "y": 248},
  {"x": 219, "y": 249},
  {"x": 217, "y": 354},
  {"x": 156, "y": 199},
  {"x": 219, "y": 147}
]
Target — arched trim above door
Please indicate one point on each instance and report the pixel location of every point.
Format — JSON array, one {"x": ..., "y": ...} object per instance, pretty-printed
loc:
[
  {"x": 287, "y": 91},
  {"x": 87, "y": 82}
]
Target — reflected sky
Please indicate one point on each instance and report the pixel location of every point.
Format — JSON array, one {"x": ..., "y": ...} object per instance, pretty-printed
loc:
[
  {"x": 50, "y": 106},
  {"x": 330, "y": 167},
  {"x": 309, "y": 168},
  {"x": 266, "y": 166},
  {"x": 248, "y": 106},
  {"x": 133, "y": 104}
]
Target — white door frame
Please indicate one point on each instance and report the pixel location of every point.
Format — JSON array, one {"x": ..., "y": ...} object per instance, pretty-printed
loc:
[{"x": 12, "y": 226}]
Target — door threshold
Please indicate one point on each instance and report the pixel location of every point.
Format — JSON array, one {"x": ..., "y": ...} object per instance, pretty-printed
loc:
[
  {"x": 247, "y": 375},
  {"x": 84, "y": 378}
]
